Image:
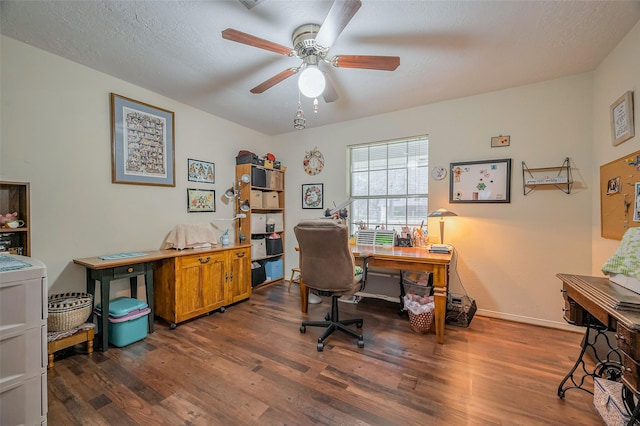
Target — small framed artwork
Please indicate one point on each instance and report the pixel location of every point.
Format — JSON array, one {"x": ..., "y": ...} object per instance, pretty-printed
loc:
[
  {"x": 201, "y": 200},
  {"x": 480, "y": 181},
  {"x": 613, "y": 185},
  {"x": 498, "y": 141},
  {"x": 201, "y": 171},
  {"x": 622, "y": 127},
  {"x": 142, "y": 143},
  {"x": 312, "y": 196}
]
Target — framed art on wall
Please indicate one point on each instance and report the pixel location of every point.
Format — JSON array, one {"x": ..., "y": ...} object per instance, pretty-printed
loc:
[
  {"x": 312, "y": 195},
  {"x": 622, "y": 127},
  {"x": 142, "y": 143},
  {"x": 201, "y": 200},
  {"x": 480, "y": 181},
  {"x": 201, "y": 171}
]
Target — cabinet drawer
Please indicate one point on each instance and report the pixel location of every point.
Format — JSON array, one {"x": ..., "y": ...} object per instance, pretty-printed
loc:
[
  {"x": 129, "y": 270},
  {"x": 573, "y": 313},
  {"x": 630, "y": 372},
  {"x": 628, "y": 341},
  {"x": 194, "y": 261}
]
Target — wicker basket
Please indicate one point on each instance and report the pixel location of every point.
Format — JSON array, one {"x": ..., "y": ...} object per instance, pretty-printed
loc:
[
  {"x": 68, "y": 310},
  {"x": 421, "y": 322}
]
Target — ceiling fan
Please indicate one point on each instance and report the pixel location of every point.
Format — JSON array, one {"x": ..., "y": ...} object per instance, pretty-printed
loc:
[{"x": 311, "y": 44}]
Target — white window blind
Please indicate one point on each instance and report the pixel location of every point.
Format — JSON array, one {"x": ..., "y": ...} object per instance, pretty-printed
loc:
[{"x": 389, "y": 183}]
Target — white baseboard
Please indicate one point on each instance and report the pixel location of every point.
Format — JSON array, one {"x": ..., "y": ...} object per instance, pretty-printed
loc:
[{"x": 528, "y": 320}]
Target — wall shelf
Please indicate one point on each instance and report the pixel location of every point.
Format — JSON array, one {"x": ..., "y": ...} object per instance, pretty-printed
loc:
[{"x": 558, "y": 176}]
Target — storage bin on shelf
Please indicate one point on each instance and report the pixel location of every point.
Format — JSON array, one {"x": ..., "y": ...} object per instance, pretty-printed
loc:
[
  {"x": 128, "y": 320},
  {"x": 274, "y": 269}
]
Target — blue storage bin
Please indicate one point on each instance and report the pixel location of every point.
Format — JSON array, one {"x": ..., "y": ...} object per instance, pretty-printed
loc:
[
  {"x": 128, "y": 321},
  {"x": 274, "y": 269}
]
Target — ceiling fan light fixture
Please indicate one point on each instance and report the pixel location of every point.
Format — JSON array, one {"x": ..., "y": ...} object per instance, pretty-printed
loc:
[
  {"x": 299, "y": 122},
  {"x": 311, "y": 82}
]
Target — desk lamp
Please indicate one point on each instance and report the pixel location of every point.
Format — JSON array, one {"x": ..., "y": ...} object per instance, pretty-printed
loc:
[{"x": 441, "y": 213}]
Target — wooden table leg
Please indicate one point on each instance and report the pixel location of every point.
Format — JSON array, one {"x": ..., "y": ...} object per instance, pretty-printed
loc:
[
  {"x": 148, "y": 283},
  {"x": 440, "y": 300},
  {"x": 304, "y": 297}
]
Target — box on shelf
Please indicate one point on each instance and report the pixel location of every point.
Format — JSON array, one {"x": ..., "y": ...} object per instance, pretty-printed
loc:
[
  {"x": 258, "y": 274},
  {"x": 258, "y": 223},
  {"x": 258, "y": 247},
  {"x": 270, "y": 200},
  {"x": 255, "y": 200},
  {"x": 274, "y": 180},
  {"x": 258, "y": 177},
  {"x": 607, "y": 398},
  {"x": 274, "y": 246},
  {"x": 277, "y": 219},
  {"x": 273, "y": 269},
  {"x": 128, "y": 320},
  {"x": 246, "y": 157}
]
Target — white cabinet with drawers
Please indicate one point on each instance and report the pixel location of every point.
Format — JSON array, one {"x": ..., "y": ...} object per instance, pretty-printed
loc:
[{"x": 23, "y": 344}]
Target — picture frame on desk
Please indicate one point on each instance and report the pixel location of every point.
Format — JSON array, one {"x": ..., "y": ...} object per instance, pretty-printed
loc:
[
  {"x": 201, "y": 200},
  {"x": 142, "y": 143},
  {"x": 487, "y": 181},
  {"x": 622, "y": 127}
]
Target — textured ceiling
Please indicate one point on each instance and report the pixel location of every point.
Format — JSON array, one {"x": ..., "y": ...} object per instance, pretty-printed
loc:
[{"x": 448, "y": 49}]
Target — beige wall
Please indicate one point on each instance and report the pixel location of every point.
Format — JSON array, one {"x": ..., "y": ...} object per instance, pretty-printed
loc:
[
  {"x": 619, "y": 72},
  {"x": 55, "y": 134},
  {"x": 508, "y": 253}
]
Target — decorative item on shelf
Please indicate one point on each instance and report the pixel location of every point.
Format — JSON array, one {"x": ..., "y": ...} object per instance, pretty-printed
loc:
[
  {"x": 8, "y": 217},
  {"x": 224, "y": 238},
  {"x": 441, "y": 213}
]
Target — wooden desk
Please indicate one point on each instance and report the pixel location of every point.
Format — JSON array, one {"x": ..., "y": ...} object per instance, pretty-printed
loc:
[
  {"x": 594, "y": 302},
  {"x": 106, "y": 271},
  {"x": 406, "y": 258}
]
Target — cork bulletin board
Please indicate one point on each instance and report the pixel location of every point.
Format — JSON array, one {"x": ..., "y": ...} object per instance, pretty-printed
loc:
[{"x": 620, "y": 196}]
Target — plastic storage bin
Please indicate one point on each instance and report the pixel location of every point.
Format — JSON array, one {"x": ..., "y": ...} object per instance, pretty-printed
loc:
[
  {"x": 128, "y": 321},
  {"x": 273, "y": 269}
]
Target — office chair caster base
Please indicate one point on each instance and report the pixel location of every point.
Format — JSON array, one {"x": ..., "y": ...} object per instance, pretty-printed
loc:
[
  {"x": 328, "y": 316},
  {"x": 360, "y": 343},
  {"x": 320, "y": 346},
  {"x": 303, "y": 329},
  {"x": 359, "y": 324}
]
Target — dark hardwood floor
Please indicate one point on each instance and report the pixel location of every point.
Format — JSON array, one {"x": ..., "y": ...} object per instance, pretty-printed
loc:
[{"x": 251, "y": 366}]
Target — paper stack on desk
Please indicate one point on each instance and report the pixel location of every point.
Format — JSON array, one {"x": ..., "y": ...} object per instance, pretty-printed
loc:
[{"x": 440, "y": 248}]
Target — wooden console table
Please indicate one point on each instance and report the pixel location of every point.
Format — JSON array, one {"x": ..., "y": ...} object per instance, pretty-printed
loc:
[
  {"x": 406, "y": 258},
  {"x": 596, "y": 303},
  {"x": 106, "y": 271}
]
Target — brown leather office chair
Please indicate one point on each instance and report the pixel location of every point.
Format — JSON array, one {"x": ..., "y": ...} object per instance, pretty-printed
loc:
[{"x": 327, "y": 265}]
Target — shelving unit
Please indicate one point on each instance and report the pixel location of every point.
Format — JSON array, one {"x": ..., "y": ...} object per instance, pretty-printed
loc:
[
  {"x": 265, "y": 196},
  {"x": 558, "y": 176},
  {"x": 14, "y": 197}
]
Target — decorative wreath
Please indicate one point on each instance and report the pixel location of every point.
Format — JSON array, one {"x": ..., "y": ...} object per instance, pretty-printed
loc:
[{"x": 313, "y": 162}]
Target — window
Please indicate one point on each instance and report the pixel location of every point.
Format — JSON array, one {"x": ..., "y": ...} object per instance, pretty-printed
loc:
[{"x": 389, "y": 183}]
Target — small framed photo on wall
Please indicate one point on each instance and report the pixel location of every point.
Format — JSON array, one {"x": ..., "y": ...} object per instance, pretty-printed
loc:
[{"x": 201, "y": 200}]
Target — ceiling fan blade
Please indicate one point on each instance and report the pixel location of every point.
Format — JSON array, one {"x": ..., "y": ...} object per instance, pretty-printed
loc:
[
  {"x": 267, "y": 84},
  {"x": 329, "y": 94},
  {"x": 383, "y": 63},
  {"x": 337, "y": 19},
  {"x": 248, "y": 39}
]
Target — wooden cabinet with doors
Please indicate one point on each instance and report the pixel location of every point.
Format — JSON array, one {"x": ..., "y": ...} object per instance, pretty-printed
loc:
[{"x": 200, "y": 281}]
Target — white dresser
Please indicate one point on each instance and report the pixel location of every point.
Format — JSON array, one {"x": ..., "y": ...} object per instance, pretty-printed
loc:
[{"x": 23, "y": 344}]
